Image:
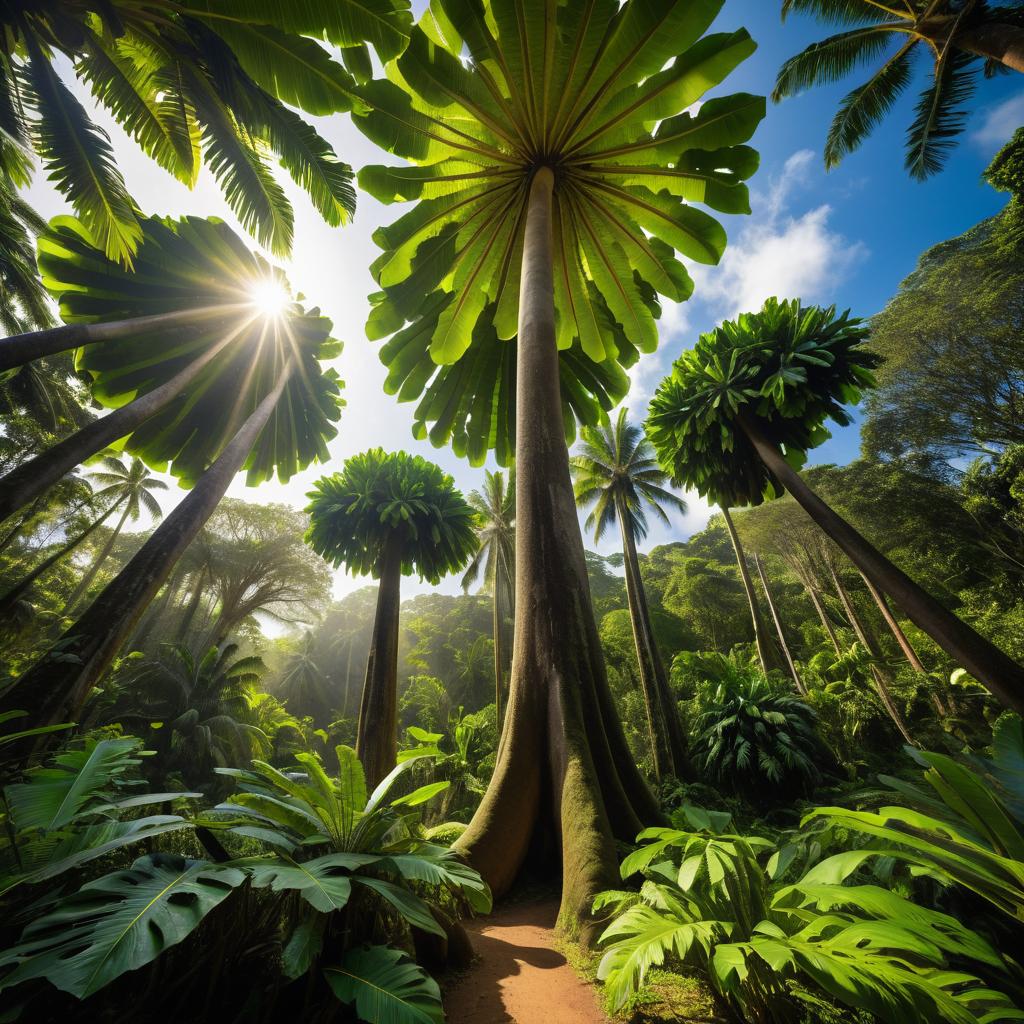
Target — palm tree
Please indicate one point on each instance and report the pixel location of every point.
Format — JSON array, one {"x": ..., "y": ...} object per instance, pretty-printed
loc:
[
  {"x": 556, "y": 170},
  {"x": 956, "y": 36},
  {"x": 387, "y": 515},
  {"x": 742, "y": 409},
  {"x": 190, "y": 83},
  {"x": 617, "y": 476},
  {"x": 128, "y": 487},
  {"x": 495, "y": 508},
  {"x": 275, "y": 412},
  {"x": 304, "y": 687},
  {"x": 23, "y": 299}
]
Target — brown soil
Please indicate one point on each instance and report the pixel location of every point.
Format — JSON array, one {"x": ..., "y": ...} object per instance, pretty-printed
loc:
[{"x": 519, "y": 977}]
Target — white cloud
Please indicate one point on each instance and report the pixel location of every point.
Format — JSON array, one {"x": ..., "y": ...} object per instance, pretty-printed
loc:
[
  {"x": 779, "y": 252},
  {"x": 1000, "y": 122}
]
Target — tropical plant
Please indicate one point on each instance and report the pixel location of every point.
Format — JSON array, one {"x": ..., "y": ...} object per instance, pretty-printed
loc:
[
  {"x": 758, "y": 742},
  {"x": 191, "y": 83},
  {"x": 554, "y": 170},
  {"x": 280, "y": 419},
  {"x": 304, "y": 687},
  {"x": 768, "y": 950},
  {"x": 388, "y": 515},
  {"x": 23, "y": 305},
  {"x": 616, "y": 476},
  {"x": 737, "y": 416},
  {"x": 495, "y": 508},
  {"x": 958, "y": 37}
]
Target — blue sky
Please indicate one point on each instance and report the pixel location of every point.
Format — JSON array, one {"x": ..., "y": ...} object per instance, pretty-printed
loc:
[{"x": 846, "y": 237}]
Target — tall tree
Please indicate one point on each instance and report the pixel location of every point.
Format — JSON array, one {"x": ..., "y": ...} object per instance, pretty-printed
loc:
[
  {"x": 388, "y": 515},
  {"x": 616, "y": 475},
  {"x": 747, "y": 403},
  {"x": 128, "y": 487},
  {"x": 555, "y": 171},
  {"x": 495, "y": 507},
  {"x": 790, "y": 663},
  {"x": 957, "y": 38},
  {"x": 191, "y": 83},
  {"x": 762, "y": 641}
]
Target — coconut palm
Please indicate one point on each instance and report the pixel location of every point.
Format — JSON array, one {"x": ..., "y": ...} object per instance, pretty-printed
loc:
[
  {"x": 557, "y": 169},
  {"x": 388, "y": 515},
  {"x": 957, "y": 38},
  {"x": 268, "y": 407},
  {"x": 737, "y": 416},
  {"x": 191, "y": 83},
  {"x": 495, "y": 507},
  {"x": 617, "y": 476},
  {"x": 128, "y": 487}
]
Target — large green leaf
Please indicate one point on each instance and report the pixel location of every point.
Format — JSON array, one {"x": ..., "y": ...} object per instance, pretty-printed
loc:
[
  {"x": 323, "y": 882},
  {"x": 486, "y": 92},
  {"x": 118, "y": 923},
  {"x": 202, "y": 270},
  {"x": 386, "y": 987}
]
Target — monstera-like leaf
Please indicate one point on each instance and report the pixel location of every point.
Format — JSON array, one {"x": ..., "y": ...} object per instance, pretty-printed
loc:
[
  {"x": 202, "y": 269},
  {"x": 487, "y": 92}
]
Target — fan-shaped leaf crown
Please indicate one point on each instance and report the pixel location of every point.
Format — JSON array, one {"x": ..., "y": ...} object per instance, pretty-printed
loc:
[
  {"x": 380, "y": 498},
  {"x": 787, "y": 367},
  {"x": 604, "y": 95},
  {"x": 202, "y": 269}
]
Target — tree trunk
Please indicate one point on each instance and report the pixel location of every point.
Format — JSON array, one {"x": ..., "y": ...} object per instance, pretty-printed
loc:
[
  {"x": 798, "y": 682},
  {"x": 156, "y": 612},
  {"x": 23, "y": 348},
  {"x": 1002, "y": 676},
  {"x": 661, "y": 752},
  {"x": 57, "y": 685},
  {"x": 564, "y": 770},
  {"x": 881, "y": 678},
  {"x": 377, "y": 728},
  {"x": 11, "y": 598},
  {"x": 826, "y": 624},
  {"x": 33, "y": 478},
  {"x": 760, "y": 633},
  {"x": 498, "y": 658},
  {"x": 190, "y": 610},
  {"x": 98, "y": 561},
  {"x": 996, "y": 41}
]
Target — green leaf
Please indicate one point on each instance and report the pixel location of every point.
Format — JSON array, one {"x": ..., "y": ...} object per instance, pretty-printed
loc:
[
  {"x": 324, "y": 882},
  {"x": 386, "y": 987}
]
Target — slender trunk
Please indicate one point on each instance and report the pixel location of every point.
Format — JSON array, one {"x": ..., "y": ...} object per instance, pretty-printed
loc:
[
  {"x": 798, "y": 682},
  {"x": 880, "y": 677},
  {"x": 825, "y": 622},
  {"x": 496, "y": 630},
  {"x": 98, "y": 561},
  {"x": 36, "y": 476},
  {"x": 377, "y": 728},
  {"x": 760, "y": 633},
  {"x": 564, "y": 771},
  {"x": 656, "y": 715},
  {"x": 11, "y": 598},
  {"x": 23, "y": 348},
  {"x": 1002, "y": 676},
  {"x": 57, "y": 685},
  {"x": 23, "y": 519},
  {"x": 348, "y": 679},
  {"x": 190, "y": 610}
]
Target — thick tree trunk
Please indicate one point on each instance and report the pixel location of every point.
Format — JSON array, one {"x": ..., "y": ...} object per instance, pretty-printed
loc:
[
  {"x": 34, "y": 477},
  {"x": 563, "y": 770},
  {"x": 880, "y": 676},
  {"x": 996, "y": 41},
  {"x": 764, "y": 654},
  {"x": 23, "y": 348},
  {"x": 11, "y": 598},
  {"x": 1000, "y": 674},
  {"x": 56, "y": 686},
  {"x": 661, "y": 752},
  {"x": 797, "y": 681},
  {"x": 377, "y": 729},
  {"x": 90, "y": 575}
]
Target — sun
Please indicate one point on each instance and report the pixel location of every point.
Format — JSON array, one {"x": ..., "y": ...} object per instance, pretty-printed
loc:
[{"x": 270, "y": 297}]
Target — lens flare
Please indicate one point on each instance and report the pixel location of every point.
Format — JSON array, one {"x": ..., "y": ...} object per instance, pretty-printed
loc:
[{"x": 270, "y": 297}]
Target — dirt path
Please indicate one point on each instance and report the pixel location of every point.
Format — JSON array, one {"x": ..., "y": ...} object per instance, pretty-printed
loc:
[{"x": 520, "y": 978}]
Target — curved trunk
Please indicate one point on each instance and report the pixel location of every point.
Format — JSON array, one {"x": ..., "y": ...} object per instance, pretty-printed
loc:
[
  {"x": 1000, "y": 674},
  {"x": 797, "y": 681},
  {"x": 564, "y": 774},
  {"x": 8, "y": 601},
  {"x": 881, "y": 677},
  {"x": 826, "y": 624},
  {"x": 377, "y": 728},
  {"x": 23, "y": 348},
  {"x": 34, "y": 477},
  {"x": 664, "y": 764},
  {"x": 98, "y": 561},
  {"x": 57, "y": 685},
  {"x": 760, "y": 633}
]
